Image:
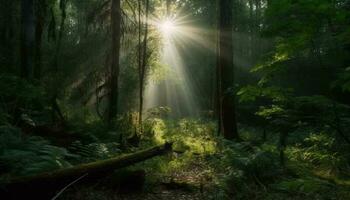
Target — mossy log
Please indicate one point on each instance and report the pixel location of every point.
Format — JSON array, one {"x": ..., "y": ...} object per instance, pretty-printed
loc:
[{"x": 45, "y": 185}]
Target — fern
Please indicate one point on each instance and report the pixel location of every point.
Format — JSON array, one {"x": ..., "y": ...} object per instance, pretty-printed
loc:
[
  {"x": 94, "y": 151},
  {"x": 21, "y": 155},
  {"x": 304, "y": 186},
  {"x": 319, "y": 150}
]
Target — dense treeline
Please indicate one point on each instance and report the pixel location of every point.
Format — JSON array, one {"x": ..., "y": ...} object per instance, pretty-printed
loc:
[{"x": 253, "y": 94}]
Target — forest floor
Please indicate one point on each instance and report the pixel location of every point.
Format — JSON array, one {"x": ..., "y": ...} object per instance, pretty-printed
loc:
[
  {"x": 189, "y": 183},
  {"x": 203, "y": 167}
]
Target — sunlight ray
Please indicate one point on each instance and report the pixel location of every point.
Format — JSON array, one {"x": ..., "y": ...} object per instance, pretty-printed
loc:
[{"x": 177, "y": 86}]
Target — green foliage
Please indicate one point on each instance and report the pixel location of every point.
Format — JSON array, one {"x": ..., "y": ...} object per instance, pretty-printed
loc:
[
  {"x": 158, "y": 112},
  {"x": 22, "y": 155},
  {"x": 321, "y": 111},
  {"x": 194, "y": 134},
  {"x": 320, "y": 151},
  {"x": 94, "y": 151},
  {"x": 191, "y": 135},
  {"x": 278, "y": 105},
  {"x": 19, "y": 96},
  {"x": 308, "y": 186},
  {"x": 247, "y": 171},
  {"x": 343, "y": 80},
  {"x": 4, "y": 118},
  {"x": 296, "y": 50},
  {"x": 159, "y": 72},
  {"x": 306, "y": 42},
  {"x": 254, "y": 162}
]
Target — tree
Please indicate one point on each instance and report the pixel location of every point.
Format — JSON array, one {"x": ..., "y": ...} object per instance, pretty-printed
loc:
[
  {"x": 8, "y": 29},
  {"x": 143, "y": 57},
  {"x": 54, "y": 104},
  {"x": 226, "y": 68},
  {"x": 27, "y": 38},
  {"x": 40, "y": 14},
  {"x": 114, "y": 67}
]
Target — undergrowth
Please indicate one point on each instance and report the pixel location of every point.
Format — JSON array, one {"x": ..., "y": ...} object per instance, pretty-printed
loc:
[
  {"x": 316, "y": 162},
  {"x": 316, "y": 166}
]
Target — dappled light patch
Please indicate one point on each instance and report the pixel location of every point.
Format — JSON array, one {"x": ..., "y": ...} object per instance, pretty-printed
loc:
[{"x": 186, "y": 134}]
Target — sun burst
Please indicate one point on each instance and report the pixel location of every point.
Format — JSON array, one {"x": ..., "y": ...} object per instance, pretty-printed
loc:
[{"x": 167, "y": 27}]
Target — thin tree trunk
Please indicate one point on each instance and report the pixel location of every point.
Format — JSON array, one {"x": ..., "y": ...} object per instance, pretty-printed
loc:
[
  {"x": 63, "y": 4},
  {"x": 114, "y": 68},
  {"x": 140, "y": 62},
  {"x": 229, "y": 124},
  {"x": 258, "y": 30},
  {"x": 218, "y": 73},
  {"x": 282, "y": 147},
  {"x": 39, "y": 29},
  {"x": 27, "y": 38},
  {"x": 7, "y": 34},
  {"x": 251, "y": 31},
  {"x": 54, "y": 104},
  {"x": 143, "y": 67}
]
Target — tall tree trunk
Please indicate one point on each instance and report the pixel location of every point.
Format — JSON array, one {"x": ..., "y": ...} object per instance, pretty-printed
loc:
[
  {"x": 63, "y": 4},
  {"x": 54, "y": 105},
  {"x": 27, "y": 38},
  {"x": 140, "y": 61},
  {"x": 257, "y": 44},
  {"x": 40, "y": 13},
  {"x": 7, "y": 35},
  {"x": 218, "y": 73},
  {"x": 143, "y": 66},
  {"x": 114, "y": 68},
  {"x": 229, "y": 123},
  {"x": 251, "y": 32}
]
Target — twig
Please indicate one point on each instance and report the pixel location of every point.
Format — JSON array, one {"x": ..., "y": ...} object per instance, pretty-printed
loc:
[{"x": 70, "y": 184}]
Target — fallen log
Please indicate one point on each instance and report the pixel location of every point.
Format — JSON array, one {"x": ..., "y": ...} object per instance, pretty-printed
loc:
[{"x": 45, "y": 185}]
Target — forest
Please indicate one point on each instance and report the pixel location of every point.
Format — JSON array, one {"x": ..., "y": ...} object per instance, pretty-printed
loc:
[{"x": 175, "y": 99}]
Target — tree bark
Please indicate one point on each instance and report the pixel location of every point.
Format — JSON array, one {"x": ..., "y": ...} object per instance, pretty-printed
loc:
[
  {"x": 40, "y": 13},
  {"x": 114, "y": 68},
  {"x": 218, "y": 73},
  {"x": 140, "y": 64},
  {"x": 143, "y": 63},
  {"x": 54, "y": 105},
  {"x": 7, "y": 35},
  {"x": 282, "y": 147},
  {"x": 63, "y": 5},
  {"x": 27, "y": 38},
  {"x": 228, "y": 115}
]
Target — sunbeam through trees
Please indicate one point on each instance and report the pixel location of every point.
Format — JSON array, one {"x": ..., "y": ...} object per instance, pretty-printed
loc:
[{"x": 175, "y": 99}]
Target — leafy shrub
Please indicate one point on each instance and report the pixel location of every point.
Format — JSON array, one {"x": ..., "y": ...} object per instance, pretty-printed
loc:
[
  {"x": 186, "y": 134},
  {"x": 193, "y": 135},
  {"x": 254, "y": 162},
  {"x": 244, "y": 167},
  {"x": 155, "y": 128}
]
